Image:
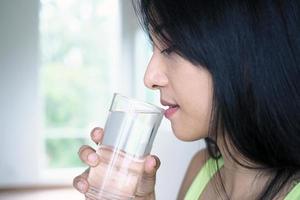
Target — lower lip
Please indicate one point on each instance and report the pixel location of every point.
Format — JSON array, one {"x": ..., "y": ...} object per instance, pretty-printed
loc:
[{"x": 170, "y": 111}]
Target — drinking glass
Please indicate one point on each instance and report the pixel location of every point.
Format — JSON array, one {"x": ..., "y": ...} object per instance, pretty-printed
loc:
[{"x": 129, "y": 132}]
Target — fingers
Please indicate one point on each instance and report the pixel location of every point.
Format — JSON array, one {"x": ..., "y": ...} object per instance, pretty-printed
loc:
[
  {"x": 86, "y": 153},
  {"x": 97, "y": 135},
  {"x": 88, "y": 156},
  {"x": 80, "y": 182}
]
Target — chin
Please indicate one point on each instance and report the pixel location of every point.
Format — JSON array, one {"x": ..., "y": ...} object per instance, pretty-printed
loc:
[{"x": 187, "y": 135}]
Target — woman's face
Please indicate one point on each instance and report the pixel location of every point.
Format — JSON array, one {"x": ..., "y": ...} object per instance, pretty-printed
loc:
[{"x": 185, "y": 88}]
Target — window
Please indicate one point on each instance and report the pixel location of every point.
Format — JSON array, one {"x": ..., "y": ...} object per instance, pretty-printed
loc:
[
  {"x": 80, "y": 46},
  {"x": 78, "y": 53}
]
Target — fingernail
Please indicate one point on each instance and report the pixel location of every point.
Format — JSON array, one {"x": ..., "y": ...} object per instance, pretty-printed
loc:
[
  {"x": 80, "y": 185},
  {"x": 93, "y": 157}
]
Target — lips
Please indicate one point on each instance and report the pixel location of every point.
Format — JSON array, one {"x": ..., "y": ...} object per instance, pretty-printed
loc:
[{"x": 171, "y": 110}]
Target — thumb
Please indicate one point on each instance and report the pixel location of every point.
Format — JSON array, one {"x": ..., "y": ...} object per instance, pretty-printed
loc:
[
  {"x": 147, "y": 181},
  {"x": 152, "y": 164}
]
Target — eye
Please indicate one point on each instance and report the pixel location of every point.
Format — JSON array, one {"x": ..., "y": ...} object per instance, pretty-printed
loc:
[{"x": 168, "y": 50}]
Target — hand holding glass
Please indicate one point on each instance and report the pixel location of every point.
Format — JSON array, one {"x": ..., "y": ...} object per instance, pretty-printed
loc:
[{"x": 128, "y": 137}]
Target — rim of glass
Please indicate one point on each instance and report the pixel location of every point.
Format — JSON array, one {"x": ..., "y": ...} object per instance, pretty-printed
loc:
[{"x": 146, "y": 104}]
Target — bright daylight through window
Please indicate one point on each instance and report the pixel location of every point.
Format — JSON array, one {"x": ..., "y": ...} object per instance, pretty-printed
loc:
[{"x": 76, "y": 57}]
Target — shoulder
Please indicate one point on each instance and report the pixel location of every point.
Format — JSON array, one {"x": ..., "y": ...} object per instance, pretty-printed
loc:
[{"x": 196, "y": 163}]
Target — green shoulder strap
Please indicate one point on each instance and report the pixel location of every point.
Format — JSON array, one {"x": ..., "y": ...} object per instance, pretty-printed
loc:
[
  {"x": 294, "y": 194},
  {"x": 202, "y": 179},
  {"x": 208, "y": 171}
]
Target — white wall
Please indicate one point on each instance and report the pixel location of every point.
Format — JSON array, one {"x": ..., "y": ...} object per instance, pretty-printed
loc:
[
  {"x": 18, "y": 91},
  {"x": 20, "y": 105}
]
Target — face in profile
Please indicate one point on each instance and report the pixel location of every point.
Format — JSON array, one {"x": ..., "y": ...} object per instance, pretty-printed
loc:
[{"x": 186, "y": 88}]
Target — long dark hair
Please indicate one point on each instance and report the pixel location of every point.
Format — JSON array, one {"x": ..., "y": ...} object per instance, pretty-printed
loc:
[{"x": 252, "y": 50}]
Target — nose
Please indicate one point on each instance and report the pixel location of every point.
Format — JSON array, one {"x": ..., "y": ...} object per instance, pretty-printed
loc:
[{"x": 155, "y": 75}]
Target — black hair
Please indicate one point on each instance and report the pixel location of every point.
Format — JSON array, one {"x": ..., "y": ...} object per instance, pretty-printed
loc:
[{"x": 252, "y": 50}]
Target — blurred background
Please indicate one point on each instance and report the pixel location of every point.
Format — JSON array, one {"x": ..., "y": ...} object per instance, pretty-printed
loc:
[{"x": 60, "y": 63}]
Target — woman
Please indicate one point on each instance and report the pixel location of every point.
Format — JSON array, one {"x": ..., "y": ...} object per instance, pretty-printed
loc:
[{"x": 229, "y": 71}]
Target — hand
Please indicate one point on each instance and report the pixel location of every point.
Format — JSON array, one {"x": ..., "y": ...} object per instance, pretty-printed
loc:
[{"x": 145, "y": 188}]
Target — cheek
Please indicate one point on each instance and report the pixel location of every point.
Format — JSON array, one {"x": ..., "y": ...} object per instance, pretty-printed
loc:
[
  {"x": 191, "y": 124},
  {"x": 192, "y": 89},
  {"x": 192, "y": 120}
]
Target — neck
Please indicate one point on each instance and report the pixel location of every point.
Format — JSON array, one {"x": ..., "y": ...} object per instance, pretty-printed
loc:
[{"x": 240, "y": 181}]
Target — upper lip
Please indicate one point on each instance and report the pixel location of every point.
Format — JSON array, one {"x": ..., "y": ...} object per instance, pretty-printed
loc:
[{"x": 166, "y": 103}]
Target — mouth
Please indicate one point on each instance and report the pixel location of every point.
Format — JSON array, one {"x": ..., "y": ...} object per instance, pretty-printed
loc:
[
  {"x": 173, "y": 108},
  {"x": 171, "y": 111}
]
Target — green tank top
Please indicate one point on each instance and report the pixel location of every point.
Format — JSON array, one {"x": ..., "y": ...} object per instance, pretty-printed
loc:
[{"x": 207, "y": 172}]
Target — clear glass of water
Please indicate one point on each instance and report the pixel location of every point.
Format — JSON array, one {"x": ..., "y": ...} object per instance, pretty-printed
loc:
[{"x": 128, "y": 137}]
